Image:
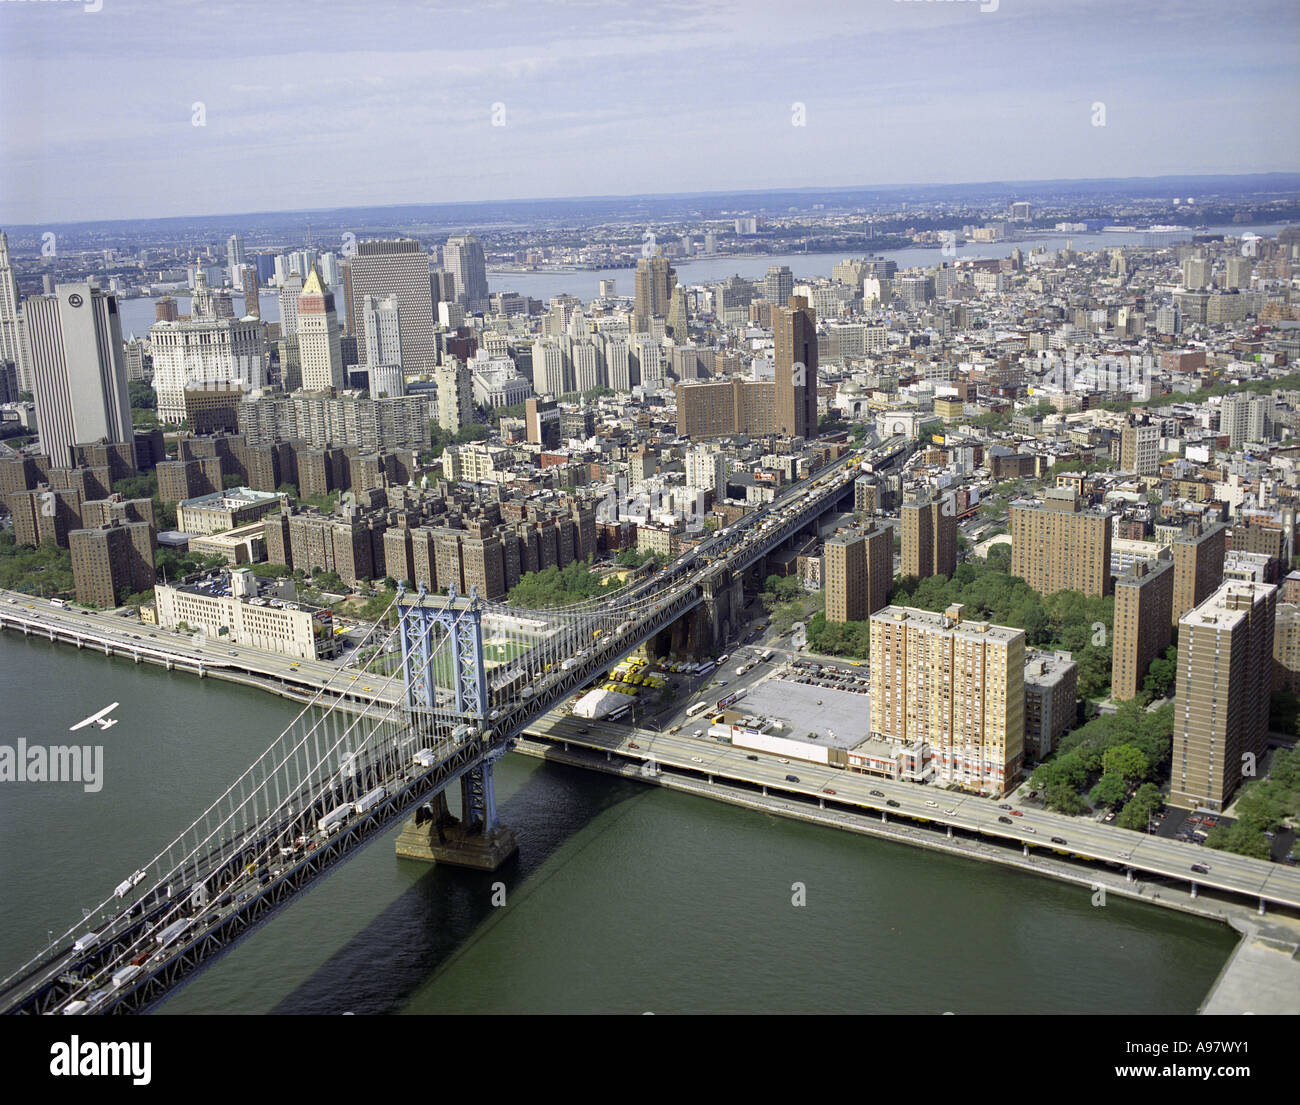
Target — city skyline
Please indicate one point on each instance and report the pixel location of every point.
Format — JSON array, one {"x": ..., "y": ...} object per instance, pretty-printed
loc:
[{"x": 609, "y": 108}]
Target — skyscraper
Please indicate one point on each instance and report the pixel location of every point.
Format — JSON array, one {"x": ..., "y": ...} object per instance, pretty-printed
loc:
[
  {"x": 455, "y": 394},
  {"x": 399, "y": 268},
  {"x": 795, "y": 330},
  {"x": 1225, "y": 682},
  {"x": 205, "y": 352},
  {"x": 318, "y": 336},
  {"x": 463, "y": 256},
  {"x": 235, "y": 258},
  {"x": 247, "y": 284},
  {"x": 12, "y": 343},
  {"x": 78, "y": 369},
  {"x": 381, "y": 327},
  {"x": 654, "y": 281}
]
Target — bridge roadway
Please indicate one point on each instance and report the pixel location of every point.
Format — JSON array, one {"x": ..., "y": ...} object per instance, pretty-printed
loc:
[
  {"x": 249, "y": 880},
  {"x": 1258, "y": 880}
]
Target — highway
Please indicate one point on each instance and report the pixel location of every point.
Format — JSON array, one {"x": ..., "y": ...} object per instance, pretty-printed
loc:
[
  {"x": 1257, "y": 879},
  {"x": 129, "y": 636}
]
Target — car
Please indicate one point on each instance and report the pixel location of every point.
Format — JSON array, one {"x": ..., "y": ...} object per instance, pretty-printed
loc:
[
  {"x": 782, "y": 760},
  {"x": 877, "y": 794},
  {"x": 1126, "y": 855},
  {"x": 584, "y": 729},
  {"x": 1200, "y": 869},
  {"x": 722, "y": 682},
  {"x": 1028, "y": 828},
  {"x": 233, "y": 653},
  {"x": 1058, "y": 840},
  {"x": 1006, "y": 820},
  {"x": 792, "y": 778},
  {"x": 949, "y": 812},
  {"x": 932, "y": 805},
  {"x": 1004, "y": 807},
  {"x": 751, "y": 757},
  {"x": 891, "y": 802},
  {"x": 634, "y": 745},
  {"x": 827, "y": 790},
  {"x": 696, "y": 760},
  {"x": 698, "y": 733},
  {"x": 1016, "y": 813}
]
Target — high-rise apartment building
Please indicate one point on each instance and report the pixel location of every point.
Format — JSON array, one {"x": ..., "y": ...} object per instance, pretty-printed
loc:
[
  {"x": 455, "y": 395},
  {"x": 1224, "y": 684},
  {"x": 1057, "y": 546},
  {"x": 399, "y": 268},
  {"x": 794, "y": 328},
  {"x": 319, "y": 350},
  {"x": 654, "y": 281},
  {"x": 1198, "y": 565},
  {"x": 929, "y": 538},
  {"x": 858, "y": 568},
  {"x": 1144, "y": 598},
  {"x": 111, "y": 562},
  {"x": 74, "y": 338},
  {"x": 778, "y": 285},
  {"x": 290, "y": 290},
  {"x": 955, "y": 686},
  {"x": 463, "y": 257},
  {"x": 726, "y": 407}
]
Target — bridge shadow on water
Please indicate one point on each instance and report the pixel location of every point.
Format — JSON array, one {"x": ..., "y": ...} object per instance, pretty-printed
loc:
[{"x": 380, "y": 969}]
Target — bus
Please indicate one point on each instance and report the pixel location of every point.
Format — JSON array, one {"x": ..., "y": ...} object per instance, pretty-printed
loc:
[
  {"x": 697, "y": 709},
  {"x": 58, "y": 602}
]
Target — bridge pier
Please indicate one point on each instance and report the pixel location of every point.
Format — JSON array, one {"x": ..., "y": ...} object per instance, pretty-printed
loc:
[
  {"x": 1193, "y": 890},
  {"x": 478, "y": 841}
]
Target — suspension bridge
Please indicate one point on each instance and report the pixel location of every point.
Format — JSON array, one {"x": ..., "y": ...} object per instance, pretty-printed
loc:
[{"x": 472, "y": 674}]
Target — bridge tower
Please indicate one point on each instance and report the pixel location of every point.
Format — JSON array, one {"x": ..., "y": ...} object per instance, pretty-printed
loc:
[{"x": 434, "y": 835}]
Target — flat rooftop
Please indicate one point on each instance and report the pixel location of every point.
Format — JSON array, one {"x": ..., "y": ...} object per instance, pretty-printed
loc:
[
  {"x": 806, "y": 709},
  {"x": 233, "y": 498},
  {"x": 942, "y": 622}
]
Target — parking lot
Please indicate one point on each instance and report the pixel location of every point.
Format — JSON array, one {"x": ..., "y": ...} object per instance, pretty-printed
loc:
[{"x": 809, "y": 673}]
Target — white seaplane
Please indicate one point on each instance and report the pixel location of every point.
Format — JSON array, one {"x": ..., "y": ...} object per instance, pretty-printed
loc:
[{"x": 101, "y": 719}]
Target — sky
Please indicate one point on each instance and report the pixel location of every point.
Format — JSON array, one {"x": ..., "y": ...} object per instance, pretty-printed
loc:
[{"x": 370, "y": 102}]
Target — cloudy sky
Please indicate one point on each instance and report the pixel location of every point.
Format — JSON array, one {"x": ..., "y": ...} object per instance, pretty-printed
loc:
[{"x": 333, "y": 103}]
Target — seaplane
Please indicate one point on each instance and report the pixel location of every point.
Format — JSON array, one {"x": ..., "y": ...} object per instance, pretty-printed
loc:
[{"x": 101, "y": 719}]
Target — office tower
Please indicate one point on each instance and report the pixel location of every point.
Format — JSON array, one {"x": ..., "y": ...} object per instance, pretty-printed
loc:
[
  {"x": 1139, "y": 450},
  {"x": 1196, "y": 273},
  {"x": 859, "y": 570},
  {"x": 1058, "y": 546},
  {"x": 954, "y": 685},
  {"x": 678, "y": 325},
  {"x": 542, "y": 421},
  {"x": 381, "y": 329},
  {"x": 463, "y": 257},
  {"x": 608, "y": 289},
  {"x": 112, "y": 562},
  {"x": 795, "y": 331},
  {"x": 929, "y": 538},
  {"x": 617, "y": 363},
  {"x": 1144, "y": 601},
  {"x": 290, "y": 290},
  {"x": 12, "y": 342},
  {"x": 1224, "y": 684},
  {"x": 74, "y": 338},
  {"x": 778, "y": 285},
  {"x": 399, "y": 268},
  {"x": 1198, "y": 565},
  {"x": 318, "y": 337},
  {"x": 455, "y": 395},
  {"x": 235, "y": 258},
  {"x": 550, "y": 368},
  {"x": 654, "y": 281},
  {"x": 1237, "y": 273},
  {"x": 587, "y": 370},
  {"x": 248, "y": 286},
  {"x": 202, "y": 353},
  {"x": 646, "y": 361}
]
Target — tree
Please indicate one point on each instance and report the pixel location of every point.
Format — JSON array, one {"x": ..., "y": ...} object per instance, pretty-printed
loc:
[
  {"x": 1109, "y": 791},
  {"x": 1127, "y": 762},
  {"x": 1160, "y": 674}
]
